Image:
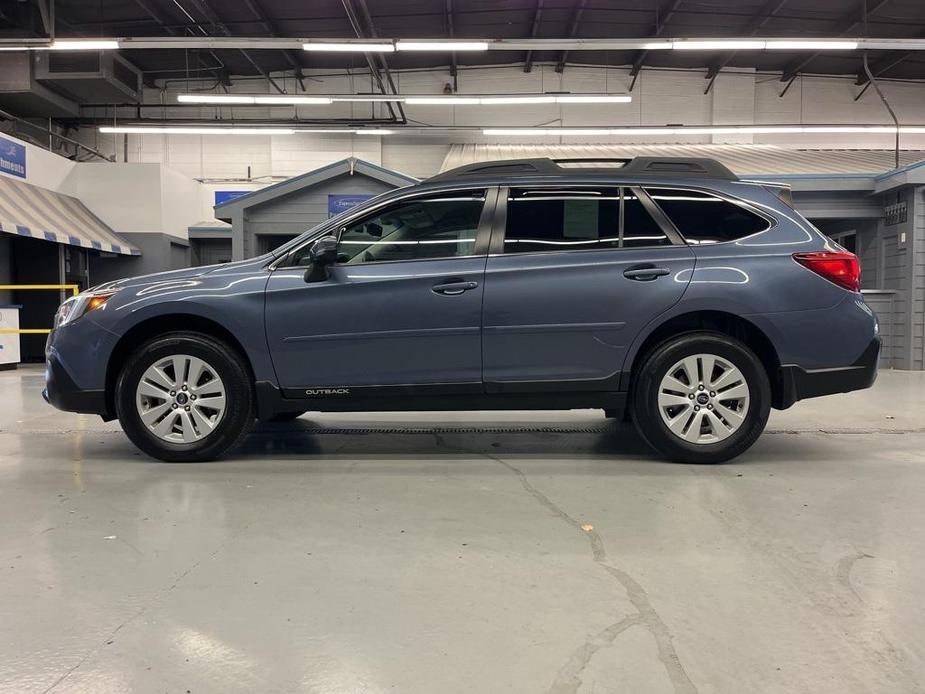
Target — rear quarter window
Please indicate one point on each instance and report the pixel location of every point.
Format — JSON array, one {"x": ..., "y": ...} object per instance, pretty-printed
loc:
[{"x": 703, "y": 218}]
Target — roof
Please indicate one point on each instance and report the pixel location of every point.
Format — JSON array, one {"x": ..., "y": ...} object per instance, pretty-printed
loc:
[
  {"x": 27, "y": 210},
  {"x": 350, "y": 166},
  {"x": 743, "y": 160},
  {"x": 510, "y": 19}
]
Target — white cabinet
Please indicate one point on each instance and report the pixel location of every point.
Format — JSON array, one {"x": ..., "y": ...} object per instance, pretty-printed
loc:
[{"x": 9, "y": 342}]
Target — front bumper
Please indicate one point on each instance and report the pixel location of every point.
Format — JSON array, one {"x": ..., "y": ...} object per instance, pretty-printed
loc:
[
  {"x": 797, "y": 383},
  {"x": 61, "y": 392}
]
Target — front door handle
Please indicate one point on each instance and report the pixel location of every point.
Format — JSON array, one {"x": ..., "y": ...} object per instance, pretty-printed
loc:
[
  {"x": 454, "y": 287},
  {"x": 645, "y": 273}
]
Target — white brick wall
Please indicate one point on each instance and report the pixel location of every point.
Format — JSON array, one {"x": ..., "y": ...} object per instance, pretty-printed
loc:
[{"x": 660, "y": 97}]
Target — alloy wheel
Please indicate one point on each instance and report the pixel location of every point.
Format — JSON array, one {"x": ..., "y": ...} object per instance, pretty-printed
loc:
[
  {"x": 180, "y": 398},
  {"x": 703, "y": 399}
]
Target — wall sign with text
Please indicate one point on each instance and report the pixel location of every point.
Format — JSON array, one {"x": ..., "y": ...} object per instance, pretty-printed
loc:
[
  {"x": 340, "y": 203},
  {"x": 12, "y": 158}
]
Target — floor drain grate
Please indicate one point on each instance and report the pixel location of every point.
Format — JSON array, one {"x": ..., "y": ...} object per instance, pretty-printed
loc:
[{"x": 360, "y": 431}]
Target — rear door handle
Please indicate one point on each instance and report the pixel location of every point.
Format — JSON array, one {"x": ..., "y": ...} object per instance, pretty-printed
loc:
[
  {"x": 454, "y": 287},
  {"x": 645, "y": 273}
]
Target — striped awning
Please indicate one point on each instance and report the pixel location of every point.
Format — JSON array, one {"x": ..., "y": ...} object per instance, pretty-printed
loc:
[{"x": 27, "y": 210}]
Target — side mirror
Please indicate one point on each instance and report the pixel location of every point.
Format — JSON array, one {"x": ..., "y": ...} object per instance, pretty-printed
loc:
[{"x": 323, "y": 253}]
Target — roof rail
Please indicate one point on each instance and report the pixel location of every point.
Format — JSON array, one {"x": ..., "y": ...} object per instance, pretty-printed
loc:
[{"x": 635, "y": 166}]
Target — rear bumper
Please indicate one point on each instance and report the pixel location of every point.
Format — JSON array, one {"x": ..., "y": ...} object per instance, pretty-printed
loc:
[
  {"x": 61, "y": 392},
  {"x": 797, "y": 383}
]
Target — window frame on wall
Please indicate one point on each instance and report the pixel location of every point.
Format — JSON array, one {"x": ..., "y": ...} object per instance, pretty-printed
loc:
[
  {"x": 839, "y": 236},
  {"x": 743, "y": 204},
  {"x": 499, "y": 230}
]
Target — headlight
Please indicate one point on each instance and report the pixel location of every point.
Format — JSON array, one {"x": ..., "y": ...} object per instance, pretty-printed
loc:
[{"x": 76, "y": 306}]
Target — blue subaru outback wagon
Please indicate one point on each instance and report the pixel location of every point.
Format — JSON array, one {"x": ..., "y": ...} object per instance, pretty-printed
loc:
[{"x": 666, "y": 291}]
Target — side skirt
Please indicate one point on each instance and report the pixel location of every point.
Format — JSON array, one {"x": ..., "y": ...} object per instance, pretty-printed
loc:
[{"x": 272, "y": 400}]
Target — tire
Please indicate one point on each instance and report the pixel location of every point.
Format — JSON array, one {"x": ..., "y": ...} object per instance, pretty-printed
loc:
[
  {"x": 178, "y": 428},
  {"x": 666, "y": 408}
]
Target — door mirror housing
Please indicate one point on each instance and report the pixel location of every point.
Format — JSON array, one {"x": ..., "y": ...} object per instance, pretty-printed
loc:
[{"x": 322, "y": 254}]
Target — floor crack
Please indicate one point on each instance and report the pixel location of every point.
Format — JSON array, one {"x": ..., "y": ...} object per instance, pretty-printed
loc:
[{"x": 646, "y": 613}]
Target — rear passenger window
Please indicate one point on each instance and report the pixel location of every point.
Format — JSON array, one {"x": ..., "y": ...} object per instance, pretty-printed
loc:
[
  {"x": 703, "y": 218},
  {"x": 555, "y": 220}
]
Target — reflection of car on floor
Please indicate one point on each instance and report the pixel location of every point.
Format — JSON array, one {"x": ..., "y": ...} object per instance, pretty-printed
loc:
[{"x": 665, "y": 290}]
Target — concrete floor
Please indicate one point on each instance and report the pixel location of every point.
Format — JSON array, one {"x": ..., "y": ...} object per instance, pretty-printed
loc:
[{"x": 510, "y": 552}]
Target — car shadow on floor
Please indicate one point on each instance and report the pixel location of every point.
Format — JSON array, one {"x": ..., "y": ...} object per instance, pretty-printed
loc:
[{"x": 306, "y": 437}]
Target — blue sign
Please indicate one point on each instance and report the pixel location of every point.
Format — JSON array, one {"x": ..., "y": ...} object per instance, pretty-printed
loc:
[
  {"x": 12, "y": 158},
  {"x": 340, "y": 203},
  {"x": 226, "y": 195}
]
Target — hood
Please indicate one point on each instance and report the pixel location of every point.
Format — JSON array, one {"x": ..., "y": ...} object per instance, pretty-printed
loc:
[{"x": 181, "y": 274}]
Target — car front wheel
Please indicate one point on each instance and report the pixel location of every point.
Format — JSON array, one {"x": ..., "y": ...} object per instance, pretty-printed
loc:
[
  {"x": 185, "y": 397},
  {"x": 701, "y": 398}
]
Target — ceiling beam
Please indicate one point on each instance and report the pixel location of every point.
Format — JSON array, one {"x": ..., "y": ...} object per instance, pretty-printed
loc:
[
  {"x": 371, "y": 29},
  {"x": 661, "y": 20},
  {"x": 572, "y": 31},
  {"x": 291, "y": 56},
  {"x": 153, "y": 14},
  {"x": 205, "y": 9},
  {"x": 845, "y": 25},
  {"x": 537, "y": 16},
  {"x": 374, "y": 68},
  {"x": 451, "y": 32},
  {"x": 754, "y": 26},
  {"x": 883, "y": 65}
]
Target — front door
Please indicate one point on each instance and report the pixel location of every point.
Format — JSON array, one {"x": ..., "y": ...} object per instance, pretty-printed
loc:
[
  {"x": 401, "y": 307},
  {"x": 571, "y": 279}
]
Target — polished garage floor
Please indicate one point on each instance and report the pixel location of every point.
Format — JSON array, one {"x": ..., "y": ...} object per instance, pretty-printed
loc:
[{"x": 510, "y": 552}]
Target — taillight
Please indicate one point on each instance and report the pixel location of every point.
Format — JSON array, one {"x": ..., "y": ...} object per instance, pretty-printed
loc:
[{"x": 839, "y": 267}]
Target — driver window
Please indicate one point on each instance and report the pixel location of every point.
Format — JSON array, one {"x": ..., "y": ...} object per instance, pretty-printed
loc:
[{"x": 437, "y": 226}]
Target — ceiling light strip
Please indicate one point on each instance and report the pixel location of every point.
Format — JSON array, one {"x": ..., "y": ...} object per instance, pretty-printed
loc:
[
  {"x": 422, "y": 100},
  {"x": 746, "y": 43},
  {"x": 707, "y": 130}
]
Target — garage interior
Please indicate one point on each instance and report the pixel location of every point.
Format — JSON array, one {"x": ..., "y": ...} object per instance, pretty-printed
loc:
[{"x": 508, "y": 551}]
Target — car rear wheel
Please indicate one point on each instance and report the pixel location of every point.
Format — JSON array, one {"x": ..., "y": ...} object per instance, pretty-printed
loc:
[
  {"x": 185, "y": 397},
  {"x": 701, "y": 398}
]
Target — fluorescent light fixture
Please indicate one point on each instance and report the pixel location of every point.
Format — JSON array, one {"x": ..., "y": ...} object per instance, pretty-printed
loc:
[
  {"x": 593, "y": 99},
  {"x": 791, "y": 45},
  {"x": 657, "y": 46},
  {"x": 438, "y": 45},
  {"x": 191, "y": 130},
  {"x": 214, "y": 99},
  {"x": 718, "y": 44},
  {"x": 442, "y": 100},
  {"x": 350, "y": 46},
  {"x": 706, "y": 130},
  {"x": 365, "y": 98},
  {"x": 374, "y": 131},
  {"x": 423, "y": 100},
  {"x": 293, "y": 100},
  {"x": 84, "y": 45},
  {"x": 493, "y": 100}
]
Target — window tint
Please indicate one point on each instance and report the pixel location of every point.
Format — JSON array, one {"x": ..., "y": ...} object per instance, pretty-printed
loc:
[
  {"x": 577, "y": 219},
  {"x": 425, "y": 228},
  {"x": 703, "y": 218}
]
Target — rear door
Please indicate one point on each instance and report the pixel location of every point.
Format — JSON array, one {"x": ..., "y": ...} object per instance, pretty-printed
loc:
[{"x": 573, "y": 274}]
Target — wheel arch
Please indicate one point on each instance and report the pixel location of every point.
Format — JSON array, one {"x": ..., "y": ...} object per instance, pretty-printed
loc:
[
  {"x": 158, "y": 325},
  {"x": 720, "y": 322}
]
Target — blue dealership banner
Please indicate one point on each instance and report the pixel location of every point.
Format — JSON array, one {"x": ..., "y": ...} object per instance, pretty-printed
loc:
[
  {"x": 12, "y": 158},
  {"x": 339, "y": 203},
  {"x": 226, "y": 195}
]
